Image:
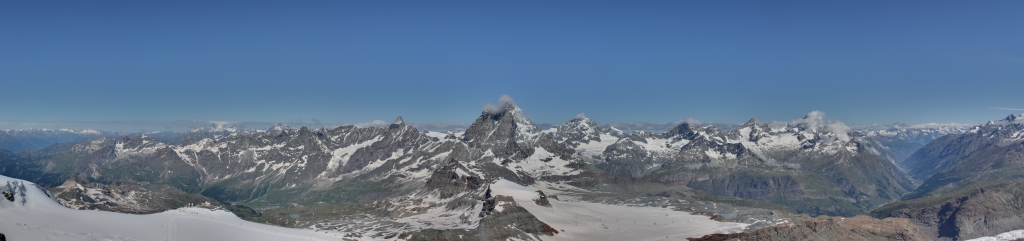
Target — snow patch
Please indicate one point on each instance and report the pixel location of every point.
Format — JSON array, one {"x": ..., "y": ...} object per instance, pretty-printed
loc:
[
  {"x": 340, "y": 156},
  {"x": 1007, "y": 236}
]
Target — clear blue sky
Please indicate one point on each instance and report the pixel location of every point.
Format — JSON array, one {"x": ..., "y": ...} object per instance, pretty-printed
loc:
[{"x": 862, "y": 62}]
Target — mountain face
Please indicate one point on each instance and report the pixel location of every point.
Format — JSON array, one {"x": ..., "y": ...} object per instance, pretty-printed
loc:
[
  {"x": 808, "y": 162},
  {"x": 411, "y": 182},
  {"x": 507, "y": 133},
  {"x": 977, "y": 210},
  {"x": 991, "y": 151}
]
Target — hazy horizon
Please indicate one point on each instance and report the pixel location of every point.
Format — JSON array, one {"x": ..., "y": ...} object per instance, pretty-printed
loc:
[{"x": 108, "y": 64}]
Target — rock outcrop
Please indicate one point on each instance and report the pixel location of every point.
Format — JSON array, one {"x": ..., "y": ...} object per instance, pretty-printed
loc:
[{"x": 452, "y": 179}]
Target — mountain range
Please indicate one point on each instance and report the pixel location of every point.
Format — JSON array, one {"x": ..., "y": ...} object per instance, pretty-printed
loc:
[{"x": 396, "y": 181}]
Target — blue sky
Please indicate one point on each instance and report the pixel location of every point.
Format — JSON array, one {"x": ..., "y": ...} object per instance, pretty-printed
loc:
[{"x": 861, "y": 62}]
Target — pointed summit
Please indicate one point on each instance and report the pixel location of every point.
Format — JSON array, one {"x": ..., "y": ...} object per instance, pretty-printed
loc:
[
  {"x": 580, "y": 120},
  {"x": 1013, "y": 117},
  {"x": 686, "y": 130},
  {"x": 751, "y": 122},
  {"x": 398, "y": 121}
]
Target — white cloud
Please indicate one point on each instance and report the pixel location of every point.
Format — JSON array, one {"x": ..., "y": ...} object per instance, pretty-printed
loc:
[
  {"x": 503, "y": 103},
  {"x": 812, "y": 121},
  {"x": 691, "y": 121},
  {"x": 815, "y": 121},
  {"x": 777, "y": 125},
  {"x": 222, "y": 123},
  {"x": 580, "y": 116},
  {"x": 1001, "y": 108}
]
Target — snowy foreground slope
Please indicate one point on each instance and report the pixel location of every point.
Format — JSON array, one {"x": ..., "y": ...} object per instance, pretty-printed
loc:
[
  {"x": 34, "y": 215},
  {"x": 1007, "y": 236}
]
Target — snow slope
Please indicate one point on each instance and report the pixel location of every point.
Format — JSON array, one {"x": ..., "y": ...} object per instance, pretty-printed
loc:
[
  {"x": 35, "y": 216},
  {"x": 1007, "y": 236},
  {"x": 578, "y": 220}
]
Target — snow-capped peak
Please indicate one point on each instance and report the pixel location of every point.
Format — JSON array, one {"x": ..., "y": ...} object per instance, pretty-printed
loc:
[
  {"x": 1009, "y": 120},
  {"x": 578, "y": 129},
  {"x": 398, "y": 121},
  {"x": 278, "y": 127},
  {"x": 507, "y": 117}
]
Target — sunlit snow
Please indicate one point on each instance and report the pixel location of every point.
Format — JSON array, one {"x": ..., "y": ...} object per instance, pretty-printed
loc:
[
  {"x": 579, "y": 220},
  {"x": 42, "y": 218}
]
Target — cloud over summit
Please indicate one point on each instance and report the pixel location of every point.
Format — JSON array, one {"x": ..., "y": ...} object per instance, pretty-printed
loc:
[{"x": 503, "y": 103}]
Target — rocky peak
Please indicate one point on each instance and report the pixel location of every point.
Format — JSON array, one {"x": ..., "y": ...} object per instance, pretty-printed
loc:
[
  {"x": 509, "y": 122},
  {"x": 578, "y": 129},
  {"x": 750, "y": 131},
  {"x": 399, "y": 125},
  {"x": 687, "y": 131},
  {"x": 751, "y": 122},
  {"x": 1012, "y": 117},
  {"x": 505, "y": 131},
  {"x": 581, "y": 119},
  {"x": 453, "y": 178},
  {"x": 1015, "y": 120}
]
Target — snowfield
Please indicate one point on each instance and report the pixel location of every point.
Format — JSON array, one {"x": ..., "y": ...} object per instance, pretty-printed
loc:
[
  {"x": 577, "y": 220},
  {"x": 1007, "y": 236},
  {"x": 35, "y": 216}
]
